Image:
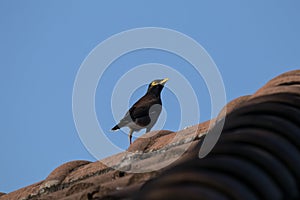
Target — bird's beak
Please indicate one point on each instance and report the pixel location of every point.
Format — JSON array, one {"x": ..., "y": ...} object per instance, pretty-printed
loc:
[{"x": 163, "y": 81}]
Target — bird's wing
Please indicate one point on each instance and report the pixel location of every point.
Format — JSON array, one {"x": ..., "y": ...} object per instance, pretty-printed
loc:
[
  {"x": 135, "y": 112},
  {"x": 140, "y": 110},
  {"x": 142, "y": 107},
  {"x": 126, "y": 119}
]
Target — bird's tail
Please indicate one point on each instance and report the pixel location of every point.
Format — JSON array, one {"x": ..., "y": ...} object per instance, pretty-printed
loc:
[{"x": 116, "y": 127}]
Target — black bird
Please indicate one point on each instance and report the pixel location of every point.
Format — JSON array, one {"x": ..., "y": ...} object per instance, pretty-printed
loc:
[{"x": 145, "y": 112}]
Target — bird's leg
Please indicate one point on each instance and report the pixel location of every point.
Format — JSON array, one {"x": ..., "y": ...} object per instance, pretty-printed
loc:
[
  {"x": 130, "y": 135},
  {"x": 148, "y": 129}
]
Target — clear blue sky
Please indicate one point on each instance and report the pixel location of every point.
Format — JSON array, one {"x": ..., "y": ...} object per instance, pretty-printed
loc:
[{"x": 43, "y": 43}]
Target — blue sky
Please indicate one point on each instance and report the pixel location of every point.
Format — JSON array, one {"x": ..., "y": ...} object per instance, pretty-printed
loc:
[{"x": 43, "y": 44}]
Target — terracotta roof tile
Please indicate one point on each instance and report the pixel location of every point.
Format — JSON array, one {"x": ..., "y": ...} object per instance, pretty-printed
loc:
[
  {"x": 61, "y": 172},
  {"x": 144, "y": 143},
  {"x": 84, "y": 171},
  {"x": 22, "y": 193},
  {"x": 294, "y": 89},
  {"x": 232, "y": 105},
  {"x": 280, "y": 82}
]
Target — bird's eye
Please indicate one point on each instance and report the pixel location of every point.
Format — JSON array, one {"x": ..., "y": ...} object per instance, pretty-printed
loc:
[{"x": 154, "y": 83}]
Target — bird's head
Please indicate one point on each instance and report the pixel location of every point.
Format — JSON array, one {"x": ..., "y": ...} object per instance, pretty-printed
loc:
[{"x": 156, "y": 86}]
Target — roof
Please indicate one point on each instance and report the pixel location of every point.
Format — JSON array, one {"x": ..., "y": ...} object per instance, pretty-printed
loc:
[{"x": 174, "y": 155}]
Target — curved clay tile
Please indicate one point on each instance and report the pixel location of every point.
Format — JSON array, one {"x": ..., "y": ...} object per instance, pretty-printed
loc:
[
  {"x": 157, "y": 140},
  {"x": 84, "y": 171},
  {"x": 286, "y": 79},
  {"x": 23, "y": 193},
  {"x": 292, "y": 72},
  {"x": 232, "y": 105},
  {"x": 292, "y": 89},
  {"x": 146, "y": 141},
  {"x": 61, "y": 172}
]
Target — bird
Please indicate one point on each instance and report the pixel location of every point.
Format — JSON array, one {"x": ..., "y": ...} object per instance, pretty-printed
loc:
[{"x": 145, "y": 112}]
